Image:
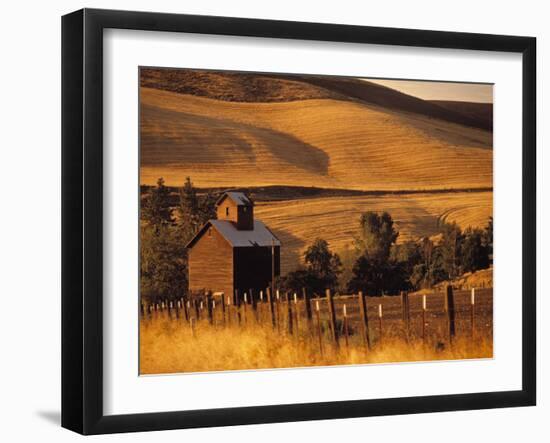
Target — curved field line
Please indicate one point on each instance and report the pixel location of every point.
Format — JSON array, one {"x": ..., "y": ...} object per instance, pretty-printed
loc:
[
  {"x": 336, "y": 219},
  {"x": 319, "y": 142}
]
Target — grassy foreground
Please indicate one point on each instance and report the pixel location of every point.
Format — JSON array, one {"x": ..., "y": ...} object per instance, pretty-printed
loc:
[{"x": 169, "y": 346}]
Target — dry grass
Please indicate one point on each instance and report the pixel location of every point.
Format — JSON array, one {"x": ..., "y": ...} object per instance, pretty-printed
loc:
[
  {"x": 169, "y": 346},
  {"x": 319, "y": 142},
  {"x": 297, "y": 223}
]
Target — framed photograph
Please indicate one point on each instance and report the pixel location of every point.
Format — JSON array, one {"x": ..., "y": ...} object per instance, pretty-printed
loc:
[{"x": 270, "y": 221}]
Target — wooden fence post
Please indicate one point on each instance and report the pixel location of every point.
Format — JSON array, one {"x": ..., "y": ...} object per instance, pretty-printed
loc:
[
  {"x": 319, "y": 331},
  {"x": 197, "y": 311},
  {"x": 245, "y": 302},
  {"x": 380, "y": 322},
  {"x": 237, "y": 305},
  {"x": 254, "y": 304},
  {"x": 214, "y": 311},
  {"x": 187, "y": 308},
  {"x": 277, "y": 302},
  {"x": 423, "y": 318},
  {"x": 289, "y": 313},
  {"x": 472, "y": 313},
  {"x": 332, "y": 318},
  {"x": 345, "y": 313},
  {"x": 307, "y": 306},
  {"x": 364, "y": 318},
  {"x": 271, "y": 308},
  {"x": 209, "y": 307},
  {"x": 296, "y": 313},
  {"x": 222, "y": 303},
  {"x": 405, "y": 313},
  {"x": 450, "y": 309},
  {"x": 228, "y": 309}
]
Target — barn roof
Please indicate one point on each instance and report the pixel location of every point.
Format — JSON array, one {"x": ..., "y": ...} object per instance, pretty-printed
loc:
[
  {"x": 239, "y": 198},
  {"x": 259, "y": 236}
]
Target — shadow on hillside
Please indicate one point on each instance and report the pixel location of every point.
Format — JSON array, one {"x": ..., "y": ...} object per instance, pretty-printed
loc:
[{"x": 172, "y": 137}]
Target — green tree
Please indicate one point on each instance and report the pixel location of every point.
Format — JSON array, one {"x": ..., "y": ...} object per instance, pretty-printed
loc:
[
  {"x": 207, "y": 207},
  {"x": 408, "y": 253},
  {"x": 348, "y": 256},
  {"x": 430, "y": 270},
  {"x": 319, "y": 258},
  {"x": 188, "y": 211},
  {"x": 193, "y": 211},
  {"x": 324, "y": 265},
  {"x": 488, "y": 236},
  {"x": 475, "y": 253},
  {"x": 381, "y": 266},
  {"x": 301, "y": 278},
  {"x": 156, "y": 210},
  {"x": 451, "y": 249},
  {"x": 376, "y": 277},
  {"x": 321, "y": 271},
  {"x": 376, "y": 235},
  {"x": 163, "y": 263}
]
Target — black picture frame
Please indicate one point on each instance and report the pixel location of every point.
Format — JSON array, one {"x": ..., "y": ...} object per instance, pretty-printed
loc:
[{"x": 82, "y": 219}]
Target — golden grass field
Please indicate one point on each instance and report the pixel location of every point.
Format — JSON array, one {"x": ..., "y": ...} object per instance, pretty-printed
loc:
[
  {"x": 170, "y": 345},
  {"x": 336, "y": 219},
  {"x": 326, "y": 143}
]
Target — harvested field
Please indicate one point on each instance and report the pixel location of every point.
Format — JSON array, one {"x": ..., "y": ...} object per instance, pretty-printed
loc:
[
  {"x": 319, "y": 142},
  {"x": 336, "y": 219}
]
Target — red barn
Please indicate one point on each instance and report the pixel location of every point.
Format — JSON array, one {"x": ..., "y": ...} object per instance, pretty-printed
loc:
[{"x": 233, "y": 252}]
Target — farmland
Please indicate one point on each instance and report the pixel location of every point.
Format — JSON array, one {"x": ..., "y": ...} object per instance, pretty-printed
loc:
[
  {"x": 303, "y": 133},
  {"x": 318, "y": 142},
  {"x": 298, "y": 222},
  {"x": 319, "y": 160}
]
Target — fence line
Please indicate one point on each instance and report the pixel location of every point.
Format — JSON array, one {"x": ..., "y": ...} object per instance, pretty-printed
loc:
[{"x": 327, "y": 319}]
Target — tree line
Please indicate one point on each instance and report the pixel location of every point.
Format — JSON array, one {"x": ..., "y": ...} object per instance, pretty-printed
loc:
[
  {"x": 379, "y": 265},
  {"x": 164, "y": 232},
  {"x": 376, "y": 264}
]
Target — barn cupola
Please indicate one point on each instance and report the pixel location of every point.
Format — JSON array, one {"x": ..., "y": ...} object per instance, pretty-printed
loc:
[{"x": 236, "y": 207}]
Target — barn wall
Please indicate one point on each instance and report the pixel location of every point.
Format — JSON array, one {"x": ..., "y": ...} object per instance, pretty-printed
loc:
[
  {"x": 211, "y": 264},
  {"x": 252, "y": 267},
  {"x": 233, "y": 212}
]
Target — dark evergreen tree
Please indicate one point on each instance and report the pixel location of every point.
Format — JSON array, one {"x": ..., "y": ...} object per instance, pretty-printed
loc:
[
  {"x": 156, "y": 210},
  {"x": 488, "y": 236},
  {"x": 163, "y": 264},
  {"x": 194, "y": 211},
  {"x": 475, "y": 253},
  {"x": 188, "y": 211},
  {"x": 451, "y": 249}
]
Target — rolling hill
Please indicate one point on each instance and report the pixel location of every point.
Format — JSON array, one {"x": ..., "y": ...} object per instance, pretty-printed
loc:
[
  {"x": 483, "y": 112},
  {"x": 314, "y": 142},
  {"x": 231, "y": 130},
  {"x": 262, "y": 88}
]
